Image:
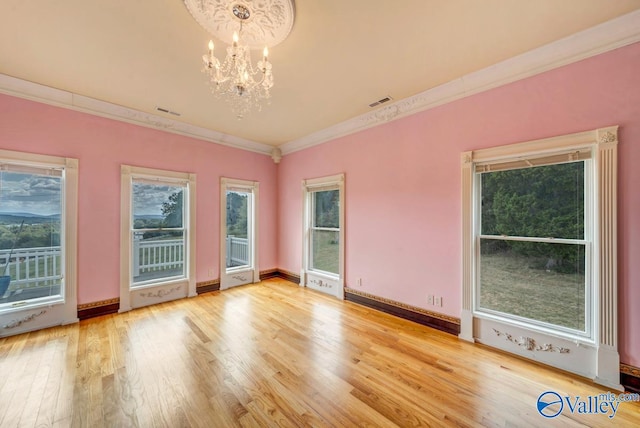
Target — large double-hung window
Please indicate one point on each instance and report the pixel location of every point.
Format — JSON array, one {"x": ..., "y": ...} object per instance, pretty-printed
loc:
[
  {"x": 534, "y": 249},
  {"x": 38, "y": 248},
  {"x": 157, "y": 259},
  {"x": 539, "y": 251}
]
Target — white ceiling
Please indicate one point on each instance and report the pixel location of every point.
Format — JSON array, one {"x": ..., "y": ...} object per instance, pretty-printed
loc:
[{"x": 340, "y": 56}]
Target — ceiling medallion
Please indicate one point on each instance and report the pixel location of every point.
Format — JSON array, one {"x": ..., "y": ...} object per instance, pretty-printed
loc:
[{"x": 244, "y": 25}]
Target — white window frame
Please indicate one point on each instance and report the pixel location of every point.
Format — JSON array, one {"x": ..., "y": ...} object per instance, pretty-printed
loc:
[
  {"x": 45, "y": 312},
  {"x": 594, "y": 354},
  {"x": 326, "y": 282},
  {"x": 165, "y": 289},
  {"x": 227, "y": 279}
]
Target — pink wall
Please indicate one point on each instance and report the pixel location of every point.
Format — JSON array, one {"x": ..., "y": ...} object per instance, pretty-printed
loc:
[
  {"x": 402, "y": 181},
  {"x": 403, "y": 189},
  {"x": 102, "y": 145}
]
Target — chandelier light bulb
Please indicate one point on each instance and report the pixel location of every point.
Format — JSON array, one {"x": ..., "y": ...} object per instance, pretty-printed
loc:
[
  {"x": 235, "y": 38},
  {"x": 265, "y": 53},
  {"x": 211, "y": 46}
]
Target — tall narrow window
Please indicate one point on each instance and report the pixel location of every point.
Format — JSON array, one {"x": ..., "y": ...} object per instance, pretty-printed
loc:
[
  {"x": 539, "y": 260},
  {"x": 37, "y": 241},
  {"x": 325, "y": 231},
  {"x": 238, "y": 232},
  {"x": 158, "y": 236},
  {"x": 324, "y": 235}
]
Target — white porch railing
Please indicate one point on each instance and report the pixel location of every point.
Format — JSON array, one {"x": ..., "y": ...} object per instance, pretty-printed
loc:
[
  {"x": 32, "y": 266},
  {"x": 152, "y": 256},
  {"x": 237, "y": 251}
]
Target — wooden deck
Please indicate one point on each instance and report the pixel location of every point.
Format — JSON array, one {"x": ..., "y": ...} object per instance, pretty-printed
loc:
[{"x": 272, "y": 354}]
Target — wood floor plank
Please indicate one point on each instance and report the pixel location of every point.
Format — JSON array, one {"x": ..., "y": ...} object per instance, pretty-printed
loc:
[{"x": 273, "y": 354}]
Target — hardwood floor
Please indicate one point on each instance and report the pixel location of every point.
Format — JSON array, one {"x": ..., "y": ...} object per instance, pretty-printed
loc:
[{"x": 272, "y": 354}]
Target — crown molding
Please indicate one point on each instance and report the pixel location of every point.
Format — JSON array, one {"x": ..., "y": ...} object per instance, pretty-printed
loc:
[
  {"x": 602, "y": 38},
  {"x": 47, "y": 95}
]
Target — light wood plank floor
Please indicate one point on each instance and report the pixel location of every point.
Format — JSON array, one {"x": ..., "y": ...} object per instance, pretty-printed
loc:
[{"x": 272, "y": 354}]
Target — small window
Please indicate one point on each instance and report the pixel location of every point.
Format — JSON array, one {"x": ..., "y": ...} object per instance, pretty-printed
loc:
[
  {"x": 325, "y": 231},
  {"x": 323, "y": 255}
]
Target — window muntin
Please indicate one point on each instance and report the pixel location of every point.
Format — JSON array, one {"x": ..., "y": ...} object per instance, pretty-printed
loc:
[
  {"x": 325, "y": 231},
  {"x": 158, "y": 231},
  {"x": 32, "y": 244},
  {"x": 533, "y": 258}
]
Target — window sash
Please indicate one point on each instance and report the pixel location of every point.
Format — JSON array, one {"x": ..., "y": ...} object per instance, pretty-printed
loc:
[{"x": 527, "y": 321}]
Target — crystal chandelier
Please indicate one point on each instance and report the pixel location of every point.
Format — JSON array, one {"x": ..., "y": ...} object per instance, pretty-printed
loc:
[{"x": 235, "y": 79}]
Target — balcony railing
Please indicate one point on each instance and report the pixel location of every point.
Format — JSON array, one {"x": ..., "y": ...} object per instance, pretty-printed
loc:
[
  {"x": 42, "y": 266},
  {"x": 34, "y": 272},
  {"x": 237, "y": 251}
]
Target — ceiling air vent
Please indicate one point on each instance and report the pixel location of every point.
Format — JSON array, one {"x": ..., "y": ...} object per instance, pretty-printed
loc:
[
  {"x": 380, "y": 101},
  {"x": 166, "y": 110}
]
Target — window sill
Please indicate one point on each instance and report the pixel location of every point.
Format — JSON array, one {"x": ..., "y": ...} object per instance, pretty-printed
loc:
[
  {"x": 577, "y": 338},
  {"x": 168, "y": 281}
]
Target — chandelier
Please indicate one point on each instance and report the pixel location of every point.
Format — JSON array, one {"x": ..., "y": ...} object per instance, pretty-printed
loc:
[
  {"x": 245, "y": 25},
  {"x": 236, "y": 79}
]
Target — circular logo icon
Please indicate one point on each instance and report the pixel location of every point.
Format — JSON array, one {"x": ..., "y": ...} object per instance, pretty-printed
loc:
[{"x": 550, "y": 404}]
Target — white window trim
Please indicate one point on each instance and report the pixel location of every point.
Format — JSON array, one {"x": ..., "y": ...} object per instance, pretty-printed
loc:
[
  {"x": 597, "y": 357},
  {"x": 170, "y": 289},
  {"x": 252, "y": 187},
  {"x": 319, "y": 280},
  {"x": 47, "y": 313}
]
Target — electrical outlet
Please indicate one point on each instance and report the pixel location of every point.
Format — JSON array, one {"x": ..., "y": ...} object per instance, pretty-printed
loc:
[
  {"x": 359, "y": 282},
  {"x": 437, "y": 301},
  {"x": 430, "y": 299},
  {"x": 210, "y": 273}
]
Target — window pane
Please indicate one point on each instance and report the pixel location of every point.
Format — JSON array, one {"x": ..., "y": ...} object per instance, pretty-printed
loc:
[
  {"x": 237, "y": 214},
  {"x": 545, "y": 201},
  {"x": 325, "y": 250},
  {"x": 326, "y": 211},
  {"x": 30, "y": 230},
  {"x": 539, "y": 281},
  {"x": 157, "y": 205},
  {"x": 237, "y": 242},
  {"x": 157, "y": 255}
]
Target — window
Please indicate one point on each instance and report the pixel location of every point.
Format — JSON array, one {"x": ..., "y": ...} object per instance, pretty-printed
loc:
[
  {"x": 158, "y": 234},
  {"x": 158, "y": 229},
  {"x": 325, "y": 231},
  {"x": 323, "y": 253},
  {"x": 38, "y": 222},
  {"x": 239, "y": 201},
  {"x": 534, "y": 256},
  {"x": 539, "y": 260}
]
